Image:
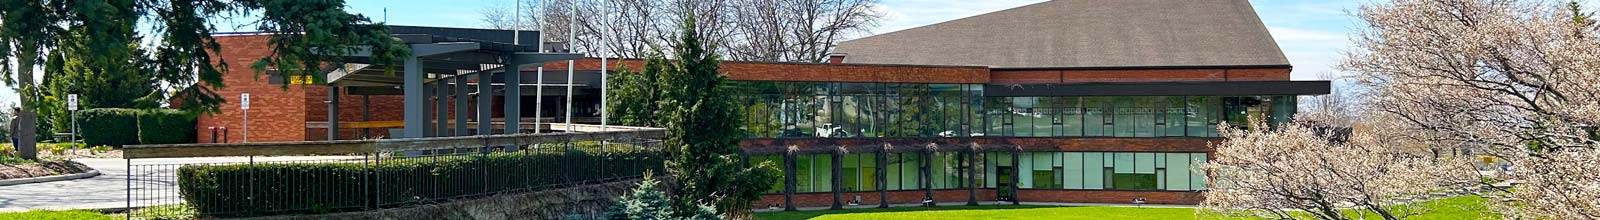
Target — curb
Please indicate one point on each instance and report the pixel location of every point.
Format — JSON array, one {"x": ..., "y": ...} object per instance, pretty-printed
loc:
[{"x": 91, "y": 173}]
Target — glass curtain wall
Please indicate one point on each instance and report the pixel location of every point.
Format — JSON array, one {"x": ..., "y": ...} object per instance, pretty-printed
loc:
[
  {"x": 1109, "y": 170},
  {"x": 852, "y": 110}
]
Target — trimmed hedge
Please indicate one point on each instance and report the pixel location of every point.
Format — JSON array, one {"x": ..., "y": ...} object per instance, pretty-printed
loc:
[
  {"x": 109, "y": 126},
  {"x": 166, "y": 126},
  {"x": 304, "y": 188}
]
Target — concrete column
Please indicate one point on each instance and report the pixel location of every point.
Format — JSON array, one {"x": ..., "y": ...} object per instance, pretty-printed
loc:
[
  {"x": 461, "y": 98},
  {"x": 415, "y": 99},
  {"x": 789, "y": 183},
  {"x": 442, "y": 91},
  {"x": 428, "y": 128},
  {"x": 513, "y": 106},
  {"x": 485, "y": 103},
  {"x": 333, "y": 113}
]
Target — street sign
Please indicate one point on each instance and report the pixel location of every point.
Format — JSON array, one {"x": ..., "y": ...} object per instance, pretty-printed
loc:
[
  {"x": 72, "y": 102},
  {"x": 244, "y": 101}
]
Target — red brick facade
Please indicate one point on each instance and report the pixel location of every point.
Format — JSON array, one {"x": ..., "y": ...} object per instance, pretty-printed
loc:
[{"x": 278, "y": 112}]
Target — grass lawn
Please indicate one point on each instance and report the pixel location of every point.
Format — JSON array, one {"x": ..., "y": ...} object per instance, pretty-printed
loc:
[
  {"x": 1467, "y": 207},
  {"x": 57, "y": 215}
]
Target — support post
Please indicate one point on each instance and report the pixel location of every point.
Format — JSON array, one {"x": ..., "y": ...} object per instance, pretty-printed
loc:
[
  {"x": 429, "y": 109},
  {"x": 366, "y": 115},
  {"x": 415, "y": 99},
  {"x": 513, "y": 105},
  {"x": 461, "y": 98},
  {"x": 485, "y": 103},
  {"x": 442, "y": 92},
  {"x": 333, "y": 112}
]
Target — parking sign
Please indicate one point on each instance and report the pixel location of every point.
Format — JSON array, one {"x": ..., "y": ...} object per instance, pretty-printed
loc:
[
  {"x": 244, "y": 101},
  {"x": 72, "y": 102}
]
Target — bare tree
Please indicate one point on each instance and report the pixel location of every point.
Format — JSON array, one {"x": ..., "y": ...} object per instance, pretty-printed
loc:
[
  {"x": 754, "y": 30},
  {"x": 1514, "y": 79}
]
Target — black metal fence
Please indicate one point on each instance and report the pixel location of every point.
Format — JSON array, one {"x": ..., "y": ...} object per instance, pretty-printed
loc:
[{"x": 261, "y": 179}]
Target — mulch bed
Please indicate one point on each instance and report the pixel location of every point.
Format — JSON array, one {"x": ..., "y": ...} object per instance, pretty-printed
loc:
[{"x": 42, "y": 168}]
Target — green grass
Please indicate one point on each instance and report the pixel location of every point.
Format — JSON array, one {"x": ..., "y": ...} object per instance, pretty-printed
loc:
[
  {"x": 57, "y": 215},
  {"x": 1466, "y": 207}
]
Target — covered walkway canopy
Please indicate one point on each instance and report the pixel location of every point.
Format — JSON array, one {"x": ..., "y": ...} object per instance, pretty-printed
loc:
[{"x": 449, "y": 65}]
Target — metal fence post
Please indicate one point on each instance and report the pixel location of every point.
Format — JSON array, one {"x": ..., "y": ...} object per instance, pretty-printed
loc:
[
  {"x": 251, "y": 188},
  {"x": 130, "y": 188}
]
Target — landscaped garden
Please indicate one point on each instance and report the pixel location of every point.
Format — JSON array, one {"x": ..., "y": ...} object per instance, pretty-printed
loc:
[{"x": 1466, "y": 207}]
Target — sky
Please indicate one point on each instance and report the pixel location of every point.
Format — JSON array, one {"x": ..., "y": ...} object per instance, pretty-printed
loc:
[{"x": 1312, "y": 33}]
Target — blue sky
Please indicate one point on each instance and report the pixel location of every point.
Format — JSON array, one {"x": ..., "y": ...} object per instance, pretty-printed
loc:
[{"x": 1312, "y": 33}]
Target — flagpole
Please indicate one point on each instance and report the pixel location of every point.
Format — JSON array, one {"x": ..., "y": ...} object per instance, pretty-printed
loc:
[
  {"x": 538, "y": 99},
  {"x": 605, "y": 10}
]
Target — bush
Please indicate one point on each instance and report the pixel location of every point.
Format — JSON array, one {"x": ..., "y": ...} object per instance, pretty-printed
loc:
[
  {"x": 166, "y": 126},
  {"x": 109, "y": 126},
  {"x": 299, "y": 188}
]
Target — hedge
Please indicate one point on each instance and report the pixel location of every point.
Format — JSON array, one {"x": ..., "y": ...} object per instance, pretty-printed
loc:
[
  {"x": 109, "y": 126},
  {"x": 305, "y": 188},
  {"x": 166, "y": 126}
]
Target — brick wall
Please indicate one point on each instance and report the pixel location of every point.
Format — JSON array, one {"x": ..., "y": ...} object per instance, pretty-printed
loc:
[
  {"x": 383, "y": 108},
  {"x": 277, "y": 113}
]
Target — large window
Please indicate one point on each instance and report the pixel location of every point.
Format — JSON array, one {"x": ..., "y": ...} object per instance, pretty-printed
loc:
[
  {"x": 837, "y": 110},
  {"x": 813, "y": 173},
  {"x": 1107, "y": 170},
  {"x": 859, "y": 173}
]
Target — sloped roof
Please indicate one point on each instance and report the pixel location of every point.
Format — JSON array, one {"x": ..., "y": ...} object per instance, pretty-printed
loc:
[{"x": 1084, "y": 33}]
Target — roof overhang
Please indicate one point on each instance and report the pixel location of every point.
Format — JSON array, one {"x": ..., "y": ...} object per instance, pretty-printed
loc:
[{"x": 1236, "y": 88}]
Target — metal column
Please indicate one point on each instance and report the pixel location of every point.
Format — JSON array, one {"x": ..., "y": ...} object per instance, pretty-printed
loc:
[
  {"x": 513, "y": 105},
  {"x": 415, "y": 99},
  {"x": 485, "y": 103},
  {"x": 461, "y": 98},
  {"x": 442, "y": 92},
  {"x": 333, "y": 113}
]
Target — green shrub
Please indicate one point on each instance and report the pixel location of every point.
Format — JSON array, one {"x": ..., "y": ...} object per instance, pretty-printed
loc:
[
  {"x": 299, "y": 188},
  {"x": 166, "y": 126},
  {"x": 109, "y": 126}
]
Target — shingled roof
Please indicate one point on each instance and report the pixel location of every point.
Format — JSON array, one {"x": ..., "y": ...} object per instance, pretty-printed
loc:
[{"x": 1084, "y": 34}]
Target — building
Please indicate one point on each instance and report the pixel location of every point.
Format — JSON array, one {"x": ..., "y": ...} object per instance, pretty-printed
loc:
[{"x": 1067, "y": 101}]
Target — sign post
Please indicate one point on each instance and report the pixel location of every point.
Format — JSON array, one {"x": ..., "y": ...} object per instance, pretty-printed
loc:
[
  {"x": 72, "y": 108},
  {"x": 244, "y": 104}
]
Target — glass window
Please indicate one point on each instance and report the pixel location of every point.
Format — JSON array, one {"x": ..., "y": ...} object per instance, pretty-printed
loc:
[
  {"x": 1093, "y": 170},
  {"x": 893, "y": 172},
  {"x": 1197, "y": 178},
  {"x": 822, "y": 177},
  {"x": 1144, "y": 163},
  {"x": 803, "y": 173},
  {"x": 1071, "y": 117},
  {"x": 1123, "y": 120},
  {"x": 1144, "y": 116},
  {"x": 1095, "y": 117},
  {"x": 1174, "y": 112},
  {"x": 1072, "y": 165},
  {"x": 1177, "y": 171},
  {"x": 910, "y": 171},
  {"x": 850, "y": 173}
]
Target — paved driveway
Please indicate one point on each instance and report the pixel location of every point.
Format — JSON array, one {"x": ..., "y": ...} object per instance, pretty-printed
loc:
[{"x": 154, "y": 184}]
